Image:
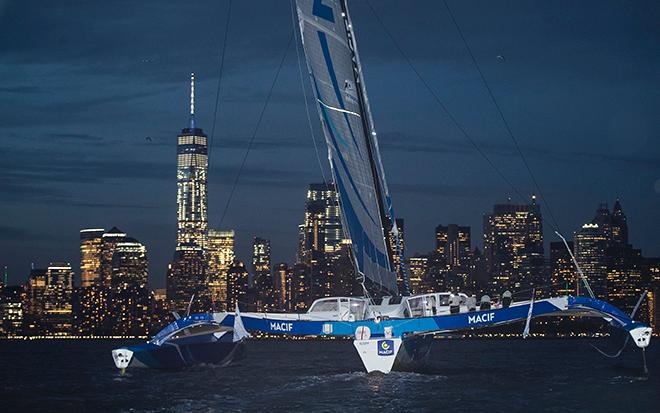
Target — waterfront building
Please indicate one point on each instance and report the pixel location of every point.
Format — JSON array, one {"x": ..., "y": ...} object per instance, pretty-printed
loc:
[
  {"x": 186, "y": 276},
  {"x": 283, "y": 276},
  {"x": 563, "y": 275},
  {"x": 35, "y": 300},
  {"x": 590, "y": 244},
  {"x": 299, "y": 286},
  {"x": 220, "y": 254},
  {"x": 129, "y": 296},
  {"x": 399, "y": 265},
  {"x": 91, "y": 241},
  {"x": 513, "y": 246},
  {"x": 109, "y": 241},
  {"x": 58, "y": 306},
  {"x": 417, "y": 269},
  {"x": 237, "y": 285},
  {"x": 262, "y": 280},
  {"x": 453, "y": 253},
  {"x": 11, "y": 310}
]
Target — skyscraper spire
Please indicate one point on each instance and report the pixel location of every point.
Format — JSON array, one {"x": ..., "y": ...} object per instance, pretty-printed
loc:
[{"x": 192, "y": 101}]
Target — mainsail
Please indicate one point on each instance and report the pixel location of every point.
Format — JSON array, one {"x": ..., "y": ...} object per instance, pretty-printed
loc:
[{"x": 336, "y": 76}]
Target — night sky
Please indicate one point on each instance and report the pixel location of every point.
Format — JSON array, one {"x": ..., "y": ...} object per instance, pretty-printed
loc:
[{"x": 83, "y": 84}]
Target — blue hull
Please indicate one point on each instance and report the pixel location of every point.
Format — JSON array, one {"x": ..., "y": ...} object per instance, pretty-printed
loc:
[{"x": 186, "y": 352}]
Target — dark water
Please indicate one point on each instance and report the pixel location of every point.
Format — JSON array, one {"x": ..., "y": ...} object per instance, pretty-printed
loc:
[{"x": 466, "y": 376}]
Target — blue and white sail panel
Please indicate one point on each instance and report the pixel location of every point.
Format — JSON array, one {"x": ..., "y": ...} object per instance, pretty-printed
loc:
[{"x": 346, "y": 122}]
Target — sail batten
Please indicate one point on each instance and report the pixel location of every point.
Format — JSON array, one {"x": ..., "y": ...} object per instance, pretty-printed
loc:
[{"x": 342, "y": 105}]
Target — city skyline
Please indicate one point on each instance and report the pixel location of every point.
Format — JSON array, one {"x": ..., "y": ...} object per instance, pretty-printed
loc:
[{"x": 77, "y": 170}]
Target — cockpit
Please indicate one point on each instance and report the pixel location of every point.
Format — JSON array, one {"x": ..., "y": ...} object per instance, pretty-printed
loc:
[{"x": 339, "y": 308}]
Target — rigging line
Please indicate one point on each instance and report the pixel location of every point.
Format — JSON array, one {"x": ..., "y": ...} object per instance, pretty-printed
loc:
[
  {"x": 302, "y": 87},
  {"x": 501, "y": 114},
  {"x": 256, "y": 129},
  {"x": 442, "y": 105},
  {"x": 220, "y": 72}
]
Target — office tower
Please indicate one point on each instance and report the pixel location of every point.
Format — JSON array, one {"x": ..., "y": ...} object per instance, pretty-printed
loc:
[
  {"x": 652, "y": 276},
  {"x": 109, "y": 241},
  {"x": 94, "y": 265},
  {"x": 262, "y": 280},
  {"x": 237, "y": 286},
  {"x": 220, "y": 255},
  {"x": 11, "y": 311},
  {"x": 58, "y": 308},
  {"x": 282, "y": 278},
  {"x": 513, "y": 246},
  {"x": 129, "y": 297},
  {"x": 300, "y": 288},
  {"x": 35, "y": 301},
  {"x": 399, "y": 266},
  {"x": 590, "y": 244},
  {"x": 321, "y": 230},
  {"x": 625, "y": 268},
  {"x": 454, "y": 251},
  {"x": 417, "y": 269},
  {"x": 91, "y": 241},
  {"x": 619, "y": 224},
  {"x": 563, "y": 275},
  {"x": 186, "y": 277}
]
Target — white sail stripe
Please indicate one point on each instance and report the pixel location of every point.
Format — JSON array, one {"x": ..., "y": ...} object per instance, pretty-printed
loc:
[{"x": 338, "y": 109}]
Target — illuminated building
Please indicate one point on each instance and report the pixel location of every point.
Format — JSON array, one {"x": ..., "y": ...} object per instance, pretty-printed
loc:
[
  {"x": 590, "y": 244},
  {"x": 186, "y": 276},
  {"x": 624, "y": 276},
  {"x": 237, "y": 285},
  {"x": 300, "y": 286},
  {"x": 513, "y": 246},
  {"x": 109, "y": 241},
  {"x": 453, "y": 251},
  {"x": 321, "y": 230},
  {"x": 35, "y": 301},
  {"x": 58, "y": 309},
  {"x": 619, "y": 224},
  {"x": 11, "y": 311},
  {"x": 283, "y": 275},
  {"x": 417, "y": 268},
  {"x": 562, "y": 270},
  {"x": 91, "y": 241},
  {"x": 220, "y": 254},
  {"x": 129, "y": 297},
  {"x": 95, "y": 268},
  {"x": 192, "y": 169},
  {"x": 186, "y": 279},
  {"x": 396, "y": 258},
  {"x": 262, "y": 280}
]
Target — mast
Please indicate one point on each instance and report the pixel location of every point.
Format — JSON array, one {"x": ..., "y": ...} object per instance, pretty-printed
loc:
[{"x": 368, "y": 130}]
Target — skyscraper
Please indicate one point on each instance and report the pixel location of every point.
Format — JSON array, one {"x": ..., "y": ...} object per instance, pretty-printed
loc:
[
  {"x": 95, "y": 266},
  {"x": 590, "y": 244},
  {"x": 562, "y": 270},
  {"x": 91, "y": 241},
  {"x": 237, "y": 285},
  {"x": 283, "y": 275},
  {"x": 513, "y": 246},
  {"x": 58, "y": 307},
  {"x": 454, "y": 251},
  {"x": 619, "y": 224},
  {"x": 399, "y": 266},
  {"x": 35, "y": 301},
  {"x": 417, "y": 268},
  {"x": 186, "y": 276},
  {"x": 262, "y": 280},
  {"x": 220, "y": 255},
  {"x": 109, "y": 241},
  {"x": 129, "y": 296}
]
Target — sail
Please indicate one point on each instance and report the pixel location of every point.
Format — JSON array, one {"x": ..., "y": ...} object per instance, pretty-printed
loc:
[{"x": 337, "y": 82}]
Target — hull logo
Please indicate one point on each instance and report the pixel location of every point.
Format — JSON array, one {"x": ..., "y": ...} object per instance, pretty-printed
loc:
[
  {"x": 281, "y": 326},
  {"x": 385, "y": 347},
  {"x": 481, "y": 318}
]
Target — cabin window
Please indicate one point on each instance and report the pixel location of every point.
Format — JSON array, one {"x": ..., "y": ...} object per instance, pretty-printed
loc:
[{"x": 324, "y": 306}]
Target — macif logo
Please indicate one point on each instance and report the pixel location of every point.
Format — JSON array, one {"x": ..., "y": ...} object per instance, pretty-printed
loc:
[{"x": 385, "y": 347}]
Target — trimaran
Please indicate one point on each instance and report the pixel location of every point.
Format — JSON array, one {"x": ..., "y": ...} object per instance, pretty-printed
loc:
[{"x": 390, "y": 329}]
